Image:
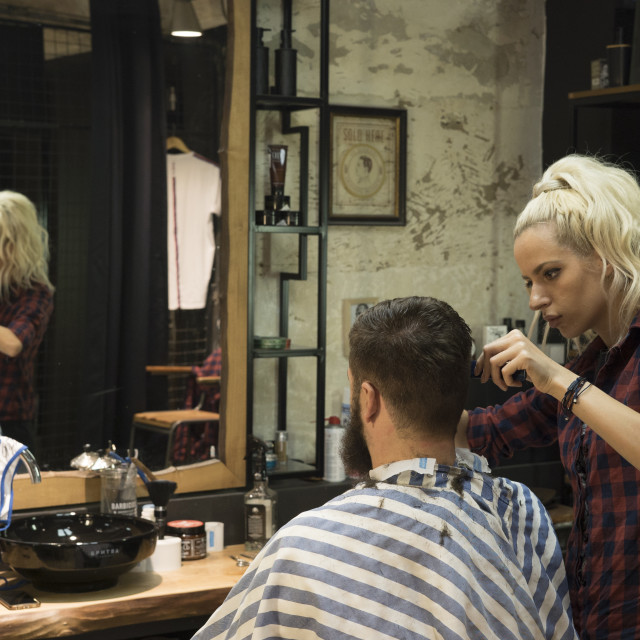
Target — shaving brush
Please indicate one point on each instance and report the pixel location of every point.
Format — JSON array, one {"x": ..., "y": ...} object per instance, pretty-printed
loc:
[{"x": 160, "y": 492}]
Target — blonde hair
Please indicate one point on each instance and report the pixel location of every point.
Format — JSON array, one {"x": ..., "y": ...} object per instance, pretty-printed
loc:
[
  {"x": 595, "y": 206},
  {"x": 24, "y": 246}
]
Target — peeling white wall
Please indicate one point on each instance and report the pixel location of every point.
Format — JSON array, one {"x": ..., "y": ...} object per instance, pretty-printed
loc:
[{"x": 470, "y": 74}]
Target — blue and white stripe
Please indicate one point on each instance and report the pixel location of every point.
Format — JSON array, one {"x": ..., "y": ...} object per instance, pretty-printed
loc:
[{"x": 452, "y": 555}]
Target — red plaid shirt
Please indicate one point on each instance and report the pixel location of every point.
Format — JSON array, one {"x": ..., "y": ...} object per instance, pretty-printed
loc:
[
  {"x": 193, "y": 442},
  {"x": 212, "y": 366},
  {"x": 603, "y": 550},
  {"x": 27, "y": 314}
]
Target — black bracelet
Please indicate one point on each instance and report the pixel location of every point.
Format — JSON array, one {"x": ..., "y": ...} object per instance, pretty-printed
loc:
[
  {"x": 580, "y": 391},
  {"x": 571, "y": 396}
]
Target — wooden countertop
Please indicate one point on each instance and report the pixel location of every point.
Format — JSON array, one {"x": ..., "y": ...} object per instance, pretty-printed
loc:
[{"x": 196, "y": 589}]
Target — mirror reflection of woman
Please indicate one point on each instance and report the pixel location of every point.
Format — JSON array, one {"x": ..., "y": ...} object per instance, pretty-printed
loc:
[
  {"x": 577, "y": 244},
  {"x": 26, "y": 304}
]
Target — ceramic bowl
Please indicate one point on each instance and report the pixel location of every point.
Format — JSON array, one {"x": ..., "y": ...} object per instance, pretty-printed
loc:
[{"x": 74, "y": 552}]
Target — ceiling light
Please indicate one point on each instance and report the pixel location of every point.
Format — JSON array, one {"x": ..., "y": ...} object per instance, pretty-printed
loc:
[{"x": 185, "y": 22}]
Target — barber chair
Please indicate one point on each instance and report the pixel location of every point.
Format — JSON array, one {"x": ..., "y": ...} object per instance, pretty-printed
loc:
[{"x": 191, "y": 433}]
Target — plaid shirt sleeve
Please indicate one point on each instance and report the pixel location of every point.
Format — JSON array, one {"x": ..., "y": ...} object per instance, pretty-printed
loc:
[
  {"x": 212, "y": 366},
  {"x": 27, "y": 315},
  {"x": 193, "y": 442},
  {"x": 527, "y": 419}
]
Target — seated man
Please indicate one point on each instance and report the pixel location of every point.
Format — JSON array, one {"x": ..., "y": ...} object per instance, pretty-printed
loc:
[{"x": 429, "y": 545}]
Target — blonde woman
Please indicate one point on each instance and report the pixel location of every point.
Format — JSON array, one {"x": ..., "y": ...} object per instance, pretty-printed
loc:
[
  {"x": 577, "y": 244},
  {"x": 26, "y": 304}
]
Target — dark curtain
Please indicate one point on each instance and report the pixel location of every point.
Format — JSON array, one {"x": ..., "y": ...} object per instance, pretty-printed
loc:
[{"x": 127, "y": 298}]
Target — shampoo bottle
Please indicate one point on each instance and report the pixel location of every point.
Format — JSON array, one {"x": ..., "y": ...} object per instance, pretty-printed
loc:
[
  {"x": 262, "y": 64},
  {"x": 285, "y": 56},
  {"x": 285, "y": 64}
]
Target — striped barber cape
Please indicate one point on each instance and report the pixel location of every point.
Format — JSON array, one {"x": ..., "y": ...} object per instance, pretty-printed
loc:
[{"x": 428, "y": 551}]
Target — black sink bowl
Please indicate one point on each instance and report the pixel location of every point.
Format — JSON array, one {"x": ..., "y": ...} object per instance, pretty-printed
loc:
[{"x": 73, "y": 552}]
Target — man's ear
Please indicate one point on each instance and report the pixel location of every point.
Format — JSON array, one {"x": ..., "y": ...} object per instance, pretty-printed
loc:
[{"x": 369, "y": 402}]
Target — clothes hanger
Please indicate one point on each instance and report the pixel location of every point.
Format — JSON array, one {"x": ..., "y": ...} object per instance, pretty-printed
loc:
[{"x": 176, "y": 144}]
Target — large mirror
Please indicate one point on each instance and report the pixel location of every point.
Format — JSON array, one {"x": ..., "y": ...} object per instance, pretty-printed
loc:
[{"x": 34, "y": 140}]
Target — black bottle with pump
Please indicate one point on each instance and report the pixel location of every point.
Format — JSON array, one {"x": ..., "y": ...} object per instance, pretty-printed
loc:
[
  {"x": 285, "y": 57},
  {"x": 262, "y": 64}
]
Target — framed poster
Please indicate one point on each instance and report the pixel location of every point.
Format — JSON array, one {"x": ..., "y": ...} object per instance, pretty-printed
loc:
[{"x": 368, "y": 151}]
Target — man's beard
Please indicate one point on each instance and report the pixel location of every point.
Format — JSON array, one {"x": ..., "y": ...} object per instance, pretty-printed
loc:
[{"x": 354, "y": 451}]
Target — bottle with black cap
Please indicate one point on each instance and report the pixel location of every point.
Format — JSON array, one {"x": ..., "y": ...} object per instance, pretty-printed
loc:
[
  {"x": 285, "y": 57},
  {"x": 262, "y": 64}
]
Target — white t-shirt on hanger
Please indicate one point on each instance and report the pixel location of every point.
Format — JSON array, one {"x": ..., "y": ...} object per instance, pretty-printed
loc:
[{"x": 193, "y": 195}]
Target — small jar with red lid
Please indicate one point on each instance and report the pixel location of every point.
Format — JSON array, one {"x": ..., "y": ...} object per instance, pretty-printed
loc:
[{"x": 192, "y": 534}]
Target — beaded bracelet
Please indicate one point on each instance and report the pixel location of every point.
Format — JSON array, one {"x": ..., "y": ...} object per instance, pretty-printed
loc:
[{"x": 576, "y": 388}]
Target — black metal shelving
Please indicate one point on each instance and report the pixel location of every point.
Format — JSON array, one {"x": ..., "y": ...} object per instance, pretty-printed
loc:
[
  {"x": 307, "y": 231},
  {"x": 286, "y": 105},
  {"x": 623, "y": 97},
  {"x": 610, "y": 97}
]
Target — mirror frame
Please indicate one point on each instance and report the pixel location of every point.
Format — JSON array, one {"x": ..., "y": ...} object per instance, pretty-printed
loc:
[{"x": 78, "y": 487}]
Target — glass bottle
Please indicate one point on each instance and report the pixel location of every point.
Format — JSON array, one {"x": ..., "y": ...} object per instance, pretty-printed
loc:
[
  {"x": 260, "y": 520},
  {"x": 281, "y": 448}
]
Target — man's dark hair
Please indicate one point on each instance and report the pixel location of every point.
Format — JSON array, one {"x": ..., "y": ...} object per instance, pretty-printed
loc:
[{"x": 417, "y": 352}]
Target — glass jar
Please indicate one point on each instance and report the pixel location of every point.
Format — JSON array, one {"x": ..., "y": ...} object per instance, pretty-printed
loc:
[
  {"x": 281, "y": 447},
  {"x": 192, "y": 534}
]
